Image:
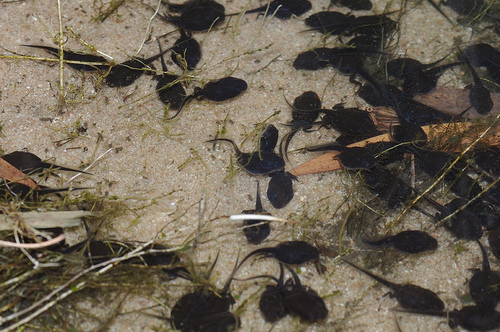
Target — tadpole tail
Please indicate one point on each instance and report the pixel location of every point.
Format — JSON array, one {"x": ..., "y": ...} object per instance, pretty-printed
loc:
[
  {"x": 231, "y": 276},
  {"x": 286, "y": 139},
  {"x": 384, "y": 282},
  {"x": 184, "y": 103},
  {"x": 294, "y": 275},
  {"x": 162, "y": 58},
  {"x": 258, "y": 200},
  {"x": 486, "y": 261},
  {"x": 211, "y": 269},
  {"x": 251, "y": 11},
  {"x": 440, "y": 69},
  {"x": 61, "y": 168},
  {"x": 261, "y": 251},
  {"x": 238, "y": 151},
  {"x": 429, "y": 312},
  {"x": 325, "y": 147},
  {"x": 382, "y": 242},
  {"x": 436, "y": 7},
  {"x": 51, "y": 50}
]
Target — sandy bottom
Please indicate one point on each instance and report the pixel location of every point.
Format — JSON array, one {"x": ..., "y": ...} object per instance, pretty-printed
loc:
[{"x": 161, "y": 170}]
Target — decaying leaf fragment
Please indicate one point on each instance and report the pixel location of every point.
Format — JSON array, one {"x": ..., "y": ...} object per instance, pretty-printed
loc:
[
  {"x": 49, "y": 219},
  {"x": 10, "y": 173},
  {"x": 468, "y": 131}
]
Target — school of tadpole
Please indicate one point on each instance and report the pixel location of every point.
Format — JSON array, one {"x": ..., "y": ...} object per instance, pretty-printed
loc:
[{"x": 212, "y": 117}]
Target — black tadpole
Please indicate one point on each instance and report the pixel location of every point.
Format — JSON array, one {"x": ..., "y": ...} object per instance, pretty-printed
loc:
[
  {"x": 186, "y": 52},
  {"x": 288, "y": 252},
  {"x": 258, "y": 233},
  {"x": 219, "y": 90},
  {"x": 80, "y": 57},
  {"x": 472, "y": 318},
  {"x": 195, "y": 15},
  {"x": 484, "y": 286},
  {"x": 282, "y": 9},
  {"x": 126, "y": 73},
  {"x": 30, "y": 163},
  {"x": 205, "y": 309},
  {"x": 479, "y": 96},
  {"x": 280, "y": 189},
  {"x": 257, "y": 162},
  {"x": 411, "y": 241},
  {"x": 169, "y": 89},
  {"x": 408, "y": 296}
]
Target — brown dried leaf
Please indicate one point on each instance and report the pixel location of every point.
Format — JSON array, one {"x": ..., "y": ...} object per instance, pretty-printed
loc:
[
  {"x": 468, "y": 132},
  {"x": 10, "y": 173}
]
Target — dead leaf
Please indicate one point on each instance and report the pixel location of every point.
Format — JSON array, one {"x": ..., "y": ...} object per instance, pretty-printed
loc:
[
  {"x": 468, "y": 131},
  {"x": 10, "y": 173}
]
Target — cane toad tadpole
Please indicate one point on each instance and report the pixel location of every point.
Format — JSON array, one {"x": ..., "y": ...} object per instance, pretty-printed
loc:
[
  {"x": 80, "y": 57},
  {"x": 408, "y": 296},
  {"x": 126, "y": 73},
  {"x": 169, "y": 89},
  {"x": 479, "y": 96},
  {"x": 218, "y": 90},
  {"x": 280, "y": 189},
  {"x": 264, "y": 160},
  {"x": 484, "y": 286},
  {"x": 282, "y": 9},
  {"x": 412, "y": 242},
  {"x": 304, "y": 302},
  {"x": 186, "y": 52},
  {"x": 258, "y": 233},
  {"x": 288, "y": 252},
  {"x": 29, "y": 163},
  {"x": 196, "y": 15}
]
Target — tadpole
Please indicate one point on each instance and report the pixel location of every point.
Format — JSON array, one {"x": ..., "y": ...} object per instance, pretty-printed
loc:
[
  {"x": 349, "y": 121},
  {"x": 219, "y": 90},
  {"x": 291, "y": 298},
  {"x": 330, "y": 22},
  {"x": 303, "y": 302},
  {"x": 464, "y": 224},
  {"x": 126, "y": 73},
  {"x": 80, "y": 57},
  {"x": 282, "y": 9},
  {"x": 170, "y": 91},
  {"x": 280, "y": 189},
  {"x": 479, "y": 96},
  {"x": 14, "y": 190},
  {"x": 472, "y": 318},
  {"x": 264, "y": 160},
  {"x": 272, "y": 303},
  {"x": 411, "y": 241},
  {"x": 315, "y": 59},
  {"x": 288, "y": 252},
  {"x": 484, "y": 286},
  {"x": 305, "y": 110},
  {"x": 354, "y": 4},
  {"x": 29, "y": 163},
  {"x": 353, "y": 158},
  {"x": 387, "y": 184},
  {"x": 196, "y": 15},
  {"x": 418, "y": 78},
  {"x": 465, "y": 7},
  {"x": 409, "y": 296},
  {"x": 258, "y": 233},
  {"x": 206, "y": 309},
  {"x": 186, "y": 52}
]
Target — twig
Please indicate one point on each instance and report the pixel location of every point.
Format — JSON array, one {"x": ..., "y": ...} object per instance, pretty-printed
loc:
[{"x": 44, "y": 244}]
